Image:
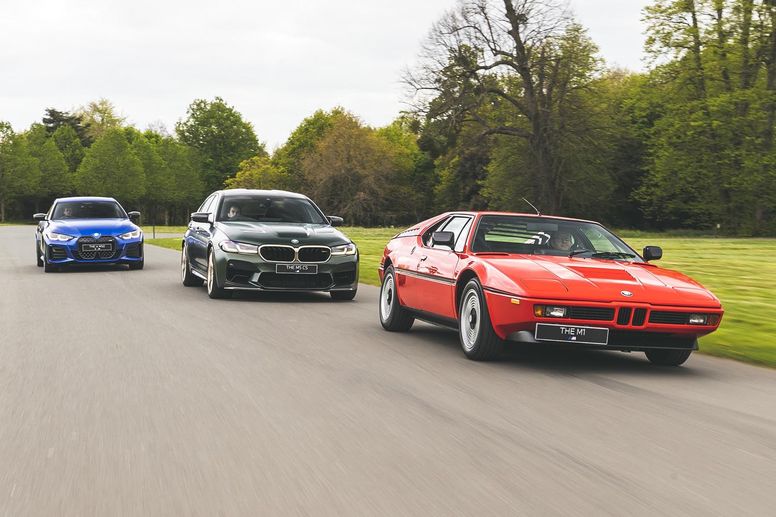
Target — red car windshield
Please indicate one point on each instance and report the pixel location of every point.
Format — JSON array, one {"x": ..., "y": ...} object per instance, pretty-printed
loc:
[{"x": 545, "y": 236}]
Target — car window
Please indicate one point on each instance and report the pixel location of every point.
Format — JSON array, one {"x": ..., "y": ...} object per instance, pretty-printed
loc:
[
  {"x": 206, "y": 204},
  {"x": 88, "y": 210},
  {"x": 269, "y": 209},
  {"x": 460, "y": 241},
  {"x": 545, "y": 236},
  {"x": 426, "y": 238}
]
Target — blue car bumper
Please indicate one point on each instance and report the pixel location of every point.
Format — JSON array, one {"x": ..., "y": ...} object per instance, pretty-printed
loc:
[{"x": 77, "y": 251}]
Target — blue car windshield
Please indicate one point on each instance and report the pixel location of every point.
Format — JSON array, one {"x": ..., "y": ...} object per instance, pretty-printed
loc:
[
  {"x": 88, "y": 210},
  {"x": 269, "y": 209}
]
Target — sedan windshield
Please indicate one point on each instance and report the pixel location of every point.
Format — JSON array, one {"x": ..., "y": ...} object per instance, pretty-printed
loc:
[
  {"x": 264, "y": 209},
  {"x": 88, "y": 210},
  {"x": 545, "y": 236}
]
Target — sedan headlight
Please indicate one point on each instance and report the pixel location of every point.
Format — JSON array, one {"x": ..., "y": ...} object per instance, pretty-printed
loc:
[
  {"x": 59, "y": 237},
  {"x": 345, "y": 249},
  {"x": 134, "y": 234},
  {"x": 239, "y": 247}
]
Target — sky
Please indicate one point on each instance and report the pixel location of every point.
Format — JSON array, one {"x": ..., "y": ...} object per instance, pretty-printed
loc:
[{"x": 275, "y": 61}]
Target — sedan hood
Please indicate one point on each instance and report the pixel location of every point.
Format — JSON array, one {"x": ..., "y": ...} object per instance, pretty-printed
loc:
[
  {"x": 599, "y": 280},
  {"x": 81, "y": 227},
  {"x": 282, "y": 233}
]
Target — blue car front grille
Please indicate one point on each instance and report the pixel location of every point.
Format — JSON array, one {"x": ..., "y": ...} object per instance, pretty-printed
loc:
[
  {"x": 82, "y": 254},
  {"x": 57, "y": 252}
]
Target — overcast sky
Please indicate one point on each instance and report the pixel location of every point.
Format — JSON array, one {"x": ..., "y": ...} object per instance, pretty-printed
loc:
[{"x": 275, "y": 61}]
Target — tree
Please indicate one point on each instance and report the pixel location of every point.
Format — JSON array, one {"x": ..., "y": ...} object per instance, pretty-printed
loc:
[
  {"x": 54, "y": 180},
  {"x": 19, "y": 170},
  {"x": 289, "y": 157},
  {"x": 158, "y": 180},
  {"x": 259, "y": 173},
  {"x": 184, "y": 166},
  {"x": 515, "y": 69},
  {"x": 99, "y": 117},
  {"x": 55, "y": 120},
  {"x": 69, "y": 145},
  {"x": 111, "y": 168},
  {"x": 222, "y": 138}
]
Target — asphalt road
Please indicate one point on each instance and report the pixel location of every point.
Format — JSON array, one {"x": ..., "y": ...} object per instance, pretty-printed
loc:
[{"x": 125, "y": 393}]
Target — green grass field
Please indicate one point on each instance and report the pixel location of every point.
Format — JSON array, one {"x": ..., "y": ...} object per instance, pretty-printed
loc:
[{"x": 741, "y": 272}]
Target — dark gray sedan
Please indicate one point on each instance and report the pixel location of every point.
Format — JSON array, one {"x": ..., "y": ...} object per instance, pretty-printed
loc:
[{"x": 267, "y": 240}]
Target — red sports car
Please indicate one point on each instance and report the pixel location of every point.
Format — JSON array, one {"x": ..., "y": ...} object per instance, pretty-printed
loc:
[{"x": 500, "y": 277}]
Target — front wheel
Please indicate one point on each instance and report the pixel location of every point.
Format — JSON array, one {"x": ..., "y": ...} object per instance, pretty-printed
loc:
[
  {"x": 478, "y": 339},
  {"x": 136, "y": 265},
  {"x": 668, "y": 357},
  {"x": 38, "y": 255},
  {"x": 188, "y": 278},
  {"x": 393, "y": 316},
  {"x": 213, "y": 289}
]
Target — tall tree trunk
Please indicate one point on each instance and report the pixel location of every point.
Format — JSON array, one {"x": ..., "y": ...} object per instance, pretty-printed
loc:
[
  {"x": 722, "y": 44},
  {"x": 2, "y": 210}
]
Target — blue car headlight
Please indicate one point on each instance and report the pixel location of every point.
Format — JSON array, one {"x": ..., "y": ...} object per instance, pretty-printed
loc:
[
  {"x": 134, "y": 234},
  {"x": 345, "y": 249},
  {"x": 239, "y": 247},
  {"x": 61, "y": 237}
]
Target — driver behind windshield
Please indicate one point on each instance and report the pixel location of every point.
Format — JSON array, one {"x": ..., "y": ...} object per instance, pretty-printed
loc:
[
  {"x": 233, "y": 212},
  {"x": 561, "y": 240}
]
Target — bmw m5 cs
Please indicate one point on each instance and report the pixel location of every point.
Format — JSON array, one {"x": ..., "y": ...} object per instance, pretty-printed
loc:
[
  {"x": 87, "y": 230},
  {"x": 267, "y": 240}
]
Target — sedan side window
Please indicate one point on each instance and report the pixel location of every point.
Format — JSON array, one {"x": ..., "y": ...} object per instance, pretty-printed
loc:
[
  {"x": 206, "y": 204},
  {"x": 457, "y": 225}
]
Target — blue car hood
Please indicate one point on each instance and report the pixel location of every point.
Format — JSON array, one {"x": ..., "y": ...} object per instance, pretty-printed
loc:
[{"x": 81, "y": 227}]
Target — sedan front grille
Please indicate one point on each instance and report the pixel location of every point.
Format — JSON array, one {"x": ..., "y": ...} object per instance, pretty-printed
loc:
[
  {"x": 92, "y": 255},
  {"x": 277, "y": 253},
  {"x": 313, "y": 254}
]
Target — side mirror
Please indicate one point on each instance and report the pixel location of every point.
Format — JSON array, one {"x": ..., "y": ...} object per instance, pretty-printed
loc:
[
  {"x": 39, "y": 217},
  {"x": 443, "y": 239},
  {"x": 134, "y": 216},
  {"x": 335, "y": 220},
  {"x": 200, "y": 217},
  {"x": 652, "y": 253}
]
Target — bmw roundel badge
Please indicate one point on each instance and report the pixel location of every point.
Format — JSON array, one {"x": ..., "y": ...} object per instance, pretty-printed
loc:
[
  {"x": 627, "y": 294},
  {"x": 96, "y": 235},
  {"x": 294, "y": 241}
]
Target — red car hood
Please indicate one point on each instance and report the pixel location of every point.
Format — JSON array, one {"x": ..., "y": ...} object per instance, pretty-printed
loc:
[{"x": 597, "y": 280}]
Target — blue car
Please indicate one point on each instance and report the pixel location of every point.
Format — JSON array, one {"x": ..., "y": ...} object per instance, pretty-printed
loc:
[{"x": 88, "y": 230}]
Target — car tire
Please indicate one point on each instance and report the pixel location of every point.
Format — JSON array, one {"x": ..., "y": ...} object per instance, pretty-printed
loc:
[
  {"x": 475, "y": 330},
  {"x": 188, "y": 278},
  {"x": 668, "y": 357},
  {"x": 37, "y": 255},
  {"x": 393, "y": 316},
  {"x": 213, "y": 289},
  {"x": 136, "y": 265},
  {"x": 343, "y": 295}
]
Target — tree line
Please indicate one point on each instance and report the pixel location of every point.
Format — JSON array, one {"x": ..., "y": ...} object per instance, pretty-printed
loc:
[{"x": 508, "y": 100}]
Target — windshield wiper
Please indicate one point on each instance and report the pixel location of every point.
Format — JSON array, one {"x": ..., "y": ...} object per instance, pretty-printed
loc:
[
  {"x": 615, "y": 254},
  {"x": 574, "y": 253}
]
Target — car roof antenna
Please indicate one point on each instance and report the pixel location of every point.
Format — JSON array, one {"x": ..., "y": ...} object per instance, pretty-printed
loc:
[{"x": 536, "y": 209}]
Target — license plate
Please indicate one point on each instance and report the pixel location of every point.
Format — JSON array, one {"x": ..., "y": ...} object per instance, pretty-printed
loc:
[
  {"x": 102, "y": 246},
  {"x": 572, "y": 334},
  {"x": 297, "y": 269}
]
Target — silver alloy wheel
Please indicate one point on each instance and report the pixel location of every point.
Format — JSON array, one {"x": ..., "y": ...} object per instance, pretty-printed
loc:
[
  {"x": 184, "y": 264},
  {"x": 210, "y": 273},
  {"x": 387, "y": 297},
  {"x": 470, "y": 320}
]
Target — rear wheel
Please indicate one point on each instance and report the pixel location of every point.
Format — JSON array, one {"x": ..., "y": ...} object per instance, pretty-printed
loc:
[
  {"x": 188, "y": 278},
  {"x": 343, "y": 295},
  {"x": 393, "y": 316},
  {"x": 478, "y": 339},
  {"x": 668, "y": 357},
  {"x": 213, "y": 289}
]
